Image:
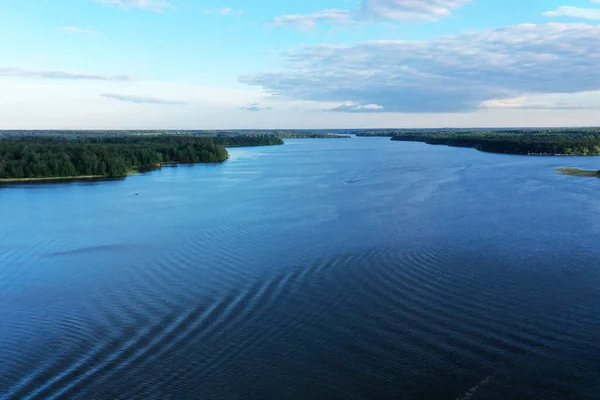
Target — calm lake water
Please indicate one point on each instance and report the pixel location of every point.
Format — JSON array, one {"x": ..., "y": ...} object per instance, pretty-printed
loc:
[{"x": 440, "y": 273}]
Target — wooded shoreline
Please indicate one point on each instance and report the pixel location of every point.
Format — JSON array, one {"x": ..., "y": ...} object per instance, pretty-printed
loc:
[{"x": 58, "y": 158}]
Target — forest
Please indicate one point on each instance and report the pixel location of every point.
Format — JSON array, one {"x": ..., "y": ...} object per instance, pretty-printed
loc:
[
  {"x": 580, "y": 141},
  {"x": 34, "y": 156}
]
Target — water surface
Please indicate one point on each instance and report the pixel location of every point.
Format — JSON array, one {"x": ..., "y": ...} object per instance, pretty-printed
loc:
[{"x": 440, "y": 273}]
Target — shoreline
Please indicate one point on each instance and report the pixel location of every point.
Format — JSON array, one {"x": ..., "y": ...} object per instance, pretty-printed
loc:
[
  {"x": 174, "y": 150},
  {"x": 506, "y": 144},
  {"x": 66, "y": 179},
  {"x": 57, "y": 178},
  {"x": 578, "y": 172},
  {"x": 134, "y": 171}
]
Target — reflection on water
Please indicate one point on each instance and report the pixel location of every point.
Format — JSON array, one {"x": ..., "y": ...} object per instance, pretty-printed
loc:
[{"x": 441, "y": 274}]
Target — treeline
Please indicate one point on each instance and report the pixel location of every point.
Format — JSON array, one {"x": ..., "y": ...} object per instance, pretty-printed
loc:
[
  {"x": 247, "y": 141},
  {"x": 455, "y": 131},
  {"x": 542, "y": 142},
  {"x": 282, "y": 134},
  {"x": 113, "y": 156}
]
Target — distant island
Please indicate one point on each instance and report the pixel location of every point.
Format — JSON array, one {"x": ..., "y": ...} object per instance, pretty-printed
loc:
[
  {"x": 579, "y": 172},
  {"x": 33, "y": 158},
  {"x": 541, "y": 142}
]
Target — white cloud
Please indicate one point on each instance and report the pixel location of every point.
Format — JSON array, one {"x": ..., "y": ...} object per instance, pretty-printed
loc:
[
  {"x": 574, "y": 12},
  {"x": 369, "y": 10},
  {"x": 516, "y": 102},
  {"x": 20, "y": 72},
  {"x": 153, "y": 5},
  {"x": 446, "y": 74},
  {"x": 71, "y": 29}
]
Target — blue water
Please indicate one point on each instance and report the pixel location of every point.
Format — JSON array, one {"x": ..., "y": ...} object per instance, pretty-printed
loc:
[{"x": 440, "y": 273}]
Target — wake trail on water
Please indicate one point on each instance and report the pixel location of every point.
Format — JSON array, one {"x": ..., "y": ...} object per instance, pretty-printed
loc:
[{"x": 472, "y": 391}]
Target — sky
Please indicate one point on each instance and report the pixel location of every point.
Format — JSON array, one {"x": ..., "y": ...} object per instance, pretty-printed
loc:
[{"x": 273, "y": 64}]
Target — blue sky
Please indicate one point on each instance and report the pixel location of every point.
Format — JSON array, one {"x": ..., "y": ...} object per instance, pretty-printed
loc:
[{"x": 194, "y": 64}]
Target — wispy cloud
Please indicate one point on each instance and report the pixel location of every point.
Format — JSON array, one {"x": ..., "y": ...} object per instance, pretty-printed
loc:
[
  {"x": 307, "y": 21},
  {"x": 143, "y": 99},
  {"x": 227, "y": 11},
  {"x": 20, "y": 72},
  {"x": 255, "y": 107},
  {"x": 153, "y": 5},
  {"x": 375, "y": 10},
  {"x": 71, "y": 29},
  {"x": 575, "y": 12},
  {"x": 351, "y": 107},
  {"x": 445, "y": 74}
]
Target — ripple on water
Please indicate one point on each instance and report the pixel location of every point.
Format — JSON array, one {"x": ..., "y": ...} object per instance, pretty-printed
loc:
[{"x": 414, "y": 320}]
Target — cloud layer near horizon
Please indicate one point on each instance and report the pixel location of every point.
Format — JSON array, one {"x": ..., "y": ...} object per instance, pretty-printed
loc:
[{"x": 444, "y": 74}]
